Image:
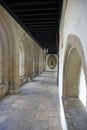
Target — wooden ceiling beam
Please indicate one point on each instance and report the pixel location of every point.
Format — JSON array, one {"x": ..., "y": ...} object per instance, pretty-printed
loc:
[
  {"x": 34, "y": 3},
  {"x": 38, "y": 19},
  {"x": 40, "y": 23},
  {"x": 39, "y": 14},
  {"x": 36, "y": 9}
]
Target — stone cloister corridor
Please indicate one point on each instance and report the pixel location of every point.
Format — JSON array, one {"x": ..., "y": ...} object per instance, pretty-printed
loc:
[
  {"x": 43, "y": 64},
  {"x": 35, "y": 107}
]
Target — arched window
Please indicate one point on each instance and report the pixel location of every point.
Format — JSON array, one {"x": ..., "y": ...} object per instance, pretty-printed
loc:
[{"x": 21, "y": 61}]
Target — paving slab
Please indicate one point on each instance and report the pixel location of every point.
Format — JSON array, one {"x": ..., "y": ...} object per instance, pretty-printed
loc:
[{"x": 35, "y": 107}]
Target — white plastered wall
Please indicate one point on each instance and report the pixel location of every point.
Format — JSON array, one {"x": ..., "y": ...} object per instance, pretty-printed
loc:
[
  {"x": 74, "y": 22},
  {"x": 82, "y": 87}
]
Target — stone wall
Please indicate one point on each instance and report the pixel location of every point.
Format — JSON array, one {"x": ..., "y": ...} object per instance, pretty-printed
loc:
[{"x": 21, "y": 58}]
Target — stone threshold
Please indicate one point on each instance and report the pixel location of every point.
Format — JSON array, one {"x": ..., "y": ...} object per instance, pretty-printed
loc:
[{"x": 75, "y": 113}]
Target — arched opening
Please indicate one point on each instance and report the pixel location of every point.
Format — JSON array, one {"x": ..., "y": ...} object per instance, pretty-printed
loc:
[
  {"x": 72, "y": 72},
  {"x": 74, "y": 83},
  {"x": 5, "y": 64},
  {"x": 21, "y": 61}
]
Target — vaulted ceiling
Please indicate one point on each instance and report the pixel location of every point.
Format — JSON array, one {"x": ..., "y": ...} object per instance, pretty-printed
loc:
[{"x": 40, "y": 18}]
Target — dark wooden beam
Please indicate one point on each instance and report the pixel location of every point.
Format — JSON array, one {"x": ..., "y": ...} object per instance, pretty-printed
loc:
[
  {"x": 40, "y": 23},
  {"x": 34, "y": 3},
  {"x": 41, "y": 26},
  {"x": 38, "y": 19},
  {"x": 40, "y": 14},
  {"x": 36, "y": 9},
  {"x": 49, "y": 44},
  {"x": 41, "y": 29}
]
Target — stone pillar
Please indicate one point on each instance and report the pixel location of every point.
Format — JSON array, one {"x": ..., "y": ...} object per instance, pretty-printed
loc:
[
  {"x": 14, "y": 75},
  {"x": 31, "y": 60}
]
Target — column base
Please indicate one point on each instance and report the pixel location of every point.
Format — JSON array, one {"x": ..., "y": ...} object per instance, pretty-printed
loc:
[{"x": 3, "y": 89}]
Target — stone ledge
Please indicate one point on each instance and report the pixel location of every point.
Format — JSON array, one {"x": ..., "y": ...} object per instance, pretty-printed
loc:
[
  {"x": 76, "y": 114},
  {"x": 22, "y": 77}
]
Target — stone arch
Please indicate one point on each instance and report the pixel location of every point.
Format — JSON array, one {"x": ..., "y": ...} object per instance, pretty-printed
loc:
[
  {"x": 8, "y": 38},
  {"x": 73, "y": 62},
  {"x": 72, "y": 72},
  {"x": 23, "y": 49},
  {"x": 26, "y": 51},
  {"x": 4, "y": 45},
  {"x": 29, "y": 57},
  {"x": 23, "y": 52}
]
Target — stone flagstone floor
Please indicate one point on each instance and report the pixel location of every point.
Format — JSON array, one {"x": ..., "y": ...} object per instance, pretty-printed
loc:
[{"x": 35, "y": 107}]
